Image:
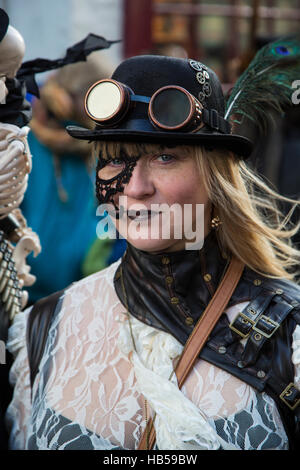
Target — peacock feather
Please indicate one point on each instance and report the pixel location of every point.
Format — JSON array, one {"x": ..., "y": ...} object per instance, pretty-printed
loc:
[{"x": 266, "y": 84}]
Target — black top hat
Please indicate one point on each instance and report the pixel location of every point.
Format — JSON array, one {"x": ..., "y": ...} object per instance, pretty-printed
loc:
[
  {"x": 4, "y": 23},
  {"x": 144, "y": 75}
]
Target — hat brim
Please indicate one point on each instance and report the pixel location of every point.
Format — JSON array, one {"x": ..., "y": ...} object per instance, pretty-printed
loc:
[{"x": 236, "y": 143}]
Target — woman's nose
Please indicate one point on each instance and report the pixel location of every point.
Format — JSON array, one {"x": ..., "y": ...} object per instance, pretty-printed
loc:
[{"x": 140, "y": 184}]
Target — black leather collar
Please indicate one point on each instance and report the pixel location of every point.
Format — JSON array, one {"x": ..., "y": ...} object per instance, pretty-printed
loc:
[{"x": 169, "y": 291}]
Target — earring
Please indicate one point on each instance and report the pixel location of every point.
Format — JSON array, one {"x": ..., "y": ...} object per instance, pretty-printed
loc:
[{"x": 216, "y": 222}]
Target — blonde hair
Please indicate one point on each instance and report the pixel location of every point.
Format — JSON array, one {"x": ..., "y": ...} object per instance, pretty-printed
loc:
[{"x": 252, "y": 226}]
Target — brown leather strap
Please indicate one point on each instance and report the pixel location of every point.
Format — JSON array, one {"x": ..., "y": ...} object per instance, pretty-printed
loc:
[{"x": 199, "y": 336}]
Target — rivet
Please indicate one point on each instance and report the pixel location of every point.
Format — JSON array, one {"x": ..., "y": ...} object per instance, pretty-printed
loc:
[
  {"x": 257, "y": 336},
  {"x": 189, "y": 321},
  {"x": 261, "y": 374},
  {"x": 207, "y": 277},
  {"x": 241, "y": 364},
  {"x": 165, "y": 260},
  {"x": 257, "y": 282},
  {"x": 169, "y": 279},
  {"x": 222, "y": 350},
  {"x": 279, "y": 291},
  {"x": 174, "y": 300},
  {"x": 294, "y": 303}
]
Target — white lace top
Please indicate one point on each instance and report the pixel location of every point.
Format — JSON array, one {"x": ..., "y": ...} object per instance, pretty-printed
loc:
[{"x": 91, "y": 389}]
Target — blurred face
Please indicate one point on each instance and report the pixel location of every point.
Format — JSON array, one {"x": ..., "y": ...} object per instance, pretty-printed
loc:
[{"x": 164, "y": 206}]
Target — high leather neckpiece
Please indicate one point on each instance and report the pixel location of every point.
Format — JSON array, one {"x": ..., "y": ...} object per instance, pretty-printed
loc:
[{"x": 169, "y": 291}]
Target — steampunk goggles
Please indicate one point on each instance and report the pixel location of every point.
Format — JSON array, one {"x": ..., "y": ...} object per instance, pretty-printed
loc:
[{"x": 170, "y": 108}]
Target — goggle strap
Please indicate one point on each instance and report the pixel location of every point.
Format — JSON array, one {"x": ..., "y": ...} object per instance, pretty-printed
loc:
[
  {"x": 140, "y": 98},
  {"x": 212, "y": 118}
]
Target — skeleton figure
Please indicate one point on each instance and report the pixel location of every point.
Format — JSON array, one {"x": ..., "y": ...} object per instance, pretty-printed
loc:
[{"x": 15, "y": 163}]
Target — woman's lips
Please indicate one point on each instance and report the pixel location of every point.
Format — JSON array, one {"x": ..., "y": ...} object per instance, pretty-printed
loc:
[{"x": 142, "y": 215}]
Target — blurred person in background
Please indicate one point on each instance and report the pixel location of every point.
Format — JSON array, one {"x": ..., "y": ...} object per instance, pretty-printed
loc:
[{"x": 60, "y": 202}]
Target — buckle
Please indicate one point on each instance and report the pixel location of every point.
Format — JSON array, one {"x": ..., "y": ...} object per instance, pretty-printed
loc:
[
  {"x": 246, "y": 320},
  {"x": 288, "y": 392},
  {"x": 269, "y": 322}
]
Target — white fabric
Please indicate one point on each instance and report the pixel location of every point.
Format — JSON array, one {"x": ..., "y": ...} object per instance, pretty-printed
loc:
[
  {"x": 296, "y": 354},
  {"x": 153, "y": 363},
  {"x": 87, "y": 392}
]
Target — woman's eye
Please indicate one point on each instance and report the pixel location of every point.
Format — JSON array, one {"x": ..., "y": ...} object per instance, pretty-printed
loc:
[
  {"x": 116, "y": 162},
  {"x": 165, "y": 158}
]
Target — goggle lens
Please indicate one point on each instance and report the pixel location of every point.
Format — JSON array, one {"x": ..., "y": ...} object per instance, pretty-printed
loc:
[
  {"x": 170, "y": 108},
  {"x": 103, "y": 101}
]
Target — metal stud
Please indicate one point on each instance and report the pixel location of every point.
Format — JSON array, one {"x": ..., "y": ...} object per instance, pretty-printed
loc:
[
  {"x": 189, "y": 321},
  {"x": 169, "y": 280},
  {"x": 261, "y": 374}
]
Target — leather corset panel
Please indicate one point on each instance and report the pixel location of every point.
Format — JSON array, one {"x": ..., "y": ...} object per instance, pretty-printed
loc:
[{"x": 169, "y": 291}]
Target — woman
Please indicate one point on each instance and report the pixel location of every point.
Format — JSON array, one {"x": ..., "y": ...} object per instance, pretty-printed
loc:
[{"x": 107, "y": 363}]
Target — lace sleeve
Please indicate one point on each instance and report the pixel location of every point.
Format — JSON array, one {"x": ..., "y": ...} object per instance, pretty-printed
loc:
[
  {"x": 296, "y": 355},
  {"x": 19, "y": 409}
]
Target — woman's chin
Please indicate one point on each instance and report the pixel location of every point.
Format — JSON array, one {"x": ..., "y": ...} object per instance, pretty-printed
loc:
[{"x": 156, "y": 246}]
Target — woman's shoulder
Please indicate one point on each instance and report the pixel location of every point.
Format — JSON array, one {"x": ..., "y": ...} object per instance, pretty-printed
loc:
[
  {"x": 89, "y": 295},
  {"x": 288, "y": 290}
]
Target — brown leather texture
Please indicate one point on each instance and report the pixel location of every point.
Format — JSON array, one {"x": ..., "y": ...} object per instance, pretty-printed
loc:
[{"x": 200, "y": 335}]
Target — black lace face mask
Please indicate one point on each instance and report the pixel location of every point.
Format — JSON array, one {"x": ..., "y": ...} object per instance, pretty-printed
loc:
[{"x": 111, "y": 176}]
